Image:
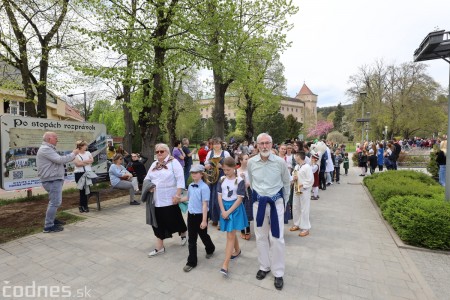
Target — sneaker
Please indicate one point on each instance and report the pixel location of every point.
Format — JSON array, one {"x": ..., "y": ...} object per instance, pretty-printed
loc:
[
  {"x": 156, "y": 252},
  {"x": 134, "y": 203},
  {"x": 209, "y": 255},
  {"x": 183, "y": 241},
  {"x": 224, "y": 272},
  {"x": 59, "y": 222},
  {"x": 54, "y": 228},
  {"x": 188, "y": 268}
]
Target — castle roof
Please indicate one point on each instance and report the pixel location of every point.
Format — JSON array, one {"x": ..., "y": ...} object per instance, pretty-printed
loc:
[{"x": 305, "y": 91}]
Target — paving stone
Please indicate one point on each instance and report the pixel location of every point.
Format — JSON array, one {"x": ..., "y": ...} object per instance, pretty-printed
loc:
[{"x": 348, "y": 255}]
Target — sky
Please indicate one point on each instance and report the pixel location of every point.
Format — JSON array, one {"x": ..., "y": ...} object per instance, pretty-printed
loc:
[{"x": 331, "y": 39}]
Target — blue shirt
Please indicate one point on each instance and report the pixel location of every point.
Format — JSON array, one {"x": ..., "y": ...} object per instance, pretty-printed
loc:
[{"x": 198, "y": 195}]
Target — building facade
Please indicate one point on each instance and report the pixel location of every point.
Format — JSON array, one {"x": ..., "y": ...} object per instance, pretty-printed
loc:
[
  {"x": 303, "y": 107},
  {"x": 12, "y": 98}
]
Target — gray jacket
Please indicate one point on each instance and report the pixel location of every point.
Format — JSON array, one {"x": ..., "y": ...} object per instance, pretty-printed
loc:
[
  {"x": 50, "y": 164},
  {"x": 147, "y": 197},
  {"x": 85, "y": 181}
]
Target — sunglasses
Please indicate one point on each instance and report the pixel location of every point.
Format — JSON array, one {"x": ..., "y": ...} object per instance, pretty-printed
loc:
[{"x": 159, "y": 151}]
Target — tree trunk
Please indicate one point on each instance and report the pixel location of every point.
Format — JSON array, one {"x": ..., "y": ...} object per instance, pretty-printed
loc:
[
  {"x": 172, "y": 109},
  {"x": 41, "y": 87},
  {"x": 128, "y": 118},
  {"x": 220, "y": 89},
  {"x": 249, "y": 111},
  {"x": 150, "y": 114}
]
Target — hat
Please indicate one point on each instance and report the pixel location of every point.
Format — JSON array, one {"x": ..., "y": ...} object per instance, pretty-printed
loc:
[
  {"x": 197, "y": 168},
  {"x": 371, "y": 151},
  {"x": 315, "y": 155}
]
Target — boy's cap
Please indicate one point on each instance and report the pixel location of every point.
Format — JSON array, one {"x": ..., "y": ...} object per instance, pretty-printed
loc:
[
  {"x": 197, "y": 168},
  {"x": 316, "y": 156}
]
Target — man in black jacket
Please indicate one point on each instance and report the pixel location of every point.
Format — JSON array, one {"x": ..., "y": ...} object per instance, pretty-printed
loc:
[{"x": 397, "y": 150}]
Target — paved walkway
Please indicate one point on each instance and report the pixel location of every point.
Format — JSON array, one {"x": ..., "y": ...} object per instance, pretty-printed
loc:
[{"x": 349, "y": 255}]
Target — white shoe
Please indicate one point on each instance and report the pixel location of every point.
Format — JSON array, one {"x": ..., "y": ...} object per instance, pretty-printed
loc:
[
  {"x": 183, "y": 240},
  {"x": 156, "y": 252}
]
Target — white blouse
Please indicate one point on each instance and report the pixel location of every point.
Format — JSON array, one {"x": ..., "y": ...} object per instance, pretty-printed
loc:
[
  {"x": 167, "y": 182},
  {"x": 85, "y": 156}
]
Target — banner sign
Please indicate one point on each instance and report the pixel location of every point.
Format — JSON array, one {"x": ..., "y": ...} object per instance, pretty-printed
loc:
[{"x": 21, "y": 138}]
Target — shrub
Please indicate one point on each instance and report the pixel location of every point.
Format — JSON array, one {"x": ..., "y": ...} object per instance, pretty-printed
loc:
[
  {"x": 433, "y": 167},
  {"x": 420, "y": 222},
  {"x": 413, "y": 203},
  {"x": 385, "y": 185}
]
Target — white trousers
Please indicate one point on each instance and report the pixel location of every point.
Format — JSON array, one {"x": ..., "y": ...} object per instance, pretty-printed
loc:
[
  {"x": 315, "y": 191},
  {"x": 300, "y": 209},
  {"x": 271, "y": 251}
]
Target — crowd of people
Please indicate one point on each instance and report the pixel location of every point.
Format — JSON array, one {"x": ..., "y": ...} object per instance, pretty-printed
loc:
[{"x": 269, "y": 184}]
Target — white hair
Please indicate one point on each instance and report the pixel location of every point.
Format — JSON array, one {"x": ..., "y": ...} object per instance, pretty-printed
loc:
[
  {"x": 162, "y": 146},
  {"x": 261, "y": 135}
]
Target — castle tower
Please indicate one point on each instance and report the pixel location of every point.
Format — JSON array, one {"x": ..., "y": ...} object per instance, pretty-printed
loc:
[{"x": 310, "y": 100}]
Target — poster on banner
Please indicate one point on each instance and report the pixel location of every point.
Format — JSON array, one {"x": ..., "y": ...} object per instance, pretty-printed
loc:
[{"x": 21, "y": 138}]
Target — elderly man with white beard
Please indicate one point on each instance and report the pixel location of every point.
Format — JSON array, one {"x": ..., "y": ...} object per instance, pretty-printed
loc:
[{"x": 270, "y": 181}]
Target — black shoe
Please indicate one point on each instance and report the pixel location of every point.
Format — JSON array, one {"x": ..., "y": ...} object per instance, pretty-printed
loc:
[
  {"x": 81, "y": 208},
  {"x": 59, "y": 222},
  {"x": 134, "y": 203},
  {"x": 278, "y": 283},
  {"x": 54, "y": 228},
  {"x": 261, "y": 274},
  {"x": 86, "y": 209}
]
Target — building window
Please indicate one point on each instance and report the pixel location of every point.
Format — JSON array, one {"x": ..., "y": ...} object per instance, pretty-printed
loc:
[
  {"x": 292, "y": 109},
  {"x": 13, "y": 107},
  {"x": 282, "y": 108},
  {"x": 201, "y": 109},
  {"x": 296, "y": 110}
]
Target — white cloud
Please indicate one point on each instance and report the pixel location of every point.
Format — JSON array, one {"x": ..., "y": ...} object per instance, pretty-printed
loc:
[{"x": 332, "y": 39}]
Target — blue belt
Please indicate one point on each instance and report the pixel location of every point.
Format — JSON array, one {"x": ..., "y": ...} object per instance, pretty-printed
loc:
[{"x": 263, "y": 200}]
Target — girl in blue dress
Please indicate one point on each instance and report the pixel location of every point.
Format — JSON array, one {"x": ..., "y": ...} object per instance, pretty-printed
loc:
[{"x": 231, "y": 191}]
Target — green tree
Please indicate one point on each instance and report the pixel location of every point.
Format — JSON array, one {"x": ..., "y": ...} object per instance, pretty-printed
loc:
[
  {"x": 261, "y": 89},
  {"x": 292, "y": 126},
  {"x": 274, "y": 124},
  {"x": 32, "y": 30},
  {"x": 232, "y": 31},
  {"x": 395, "y": 93},
  {"x": 109, "y": 114},
  {"x": 339, "y": 114}
]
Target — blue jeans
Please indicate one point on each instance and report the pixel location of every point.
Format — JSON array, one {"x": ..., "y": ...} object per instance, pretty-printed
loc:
[
  {"x": 54, "y": 190},
  {"x": 187, "y": 170},
  {"x": 442, "y": 169}
]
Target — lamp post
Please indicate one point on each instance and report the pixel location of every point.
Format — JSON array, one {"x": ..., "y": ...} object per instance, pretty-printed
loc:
[
  {"x": 434, "y": 46},
  {"x": 385, "y": 135},
  {"x": 362, "y": 95},
  {"x": 367, "y": 126},
  {"x": 84, "y": 106}
]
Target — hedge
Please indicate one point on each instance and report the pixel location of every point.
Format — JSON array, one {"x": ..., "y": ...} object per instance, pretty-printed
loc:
[
  {"x": 413, "y": 203},
  {"x": 420, "y": 222}
]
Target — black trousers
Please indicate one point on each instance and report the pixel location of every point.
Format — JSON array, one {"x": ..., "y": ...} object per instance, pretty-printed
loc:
[
  {"x": 322, "y": 181},
  {"x": 194, "y": 230},
  {"x": 83, "y": 197},
  {"x": 337, "y": 171}
]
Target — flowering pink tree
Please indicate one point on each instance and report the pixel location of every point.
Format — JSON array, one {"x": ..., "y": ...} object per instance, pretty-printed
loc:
[{"x": 321, "y": 129}]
